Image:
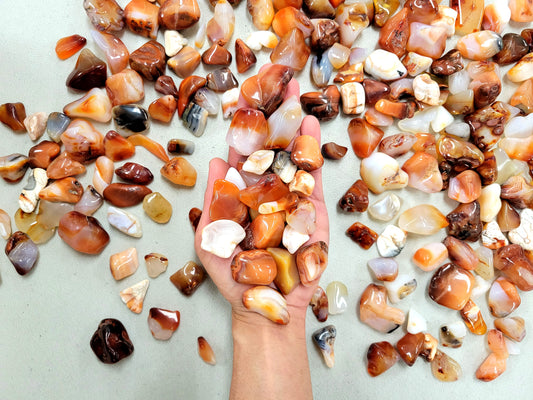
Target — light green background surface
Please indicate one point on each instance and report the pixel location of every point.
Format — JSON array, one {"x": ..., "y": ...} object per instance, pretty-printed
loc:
[{"x": 48, "y": 317}]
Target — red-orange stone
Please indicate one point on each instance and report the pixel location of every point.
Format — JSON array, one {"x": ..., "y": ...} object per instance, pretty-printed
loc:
[
  {"x": 82, "y": 232},
  {"x": 254, "y": 267},
  {"x": 266, "y": 230},
  {"x": 68, "y": 46},
  {"x": 451, "y": 286},
  {"x": 225, "y": 203},
  {"x": 269, "y": 188},
  {"x": 363, "y": 137},
  {"x": 380, "y": 357},
  {"x": 125, "y": 195}
]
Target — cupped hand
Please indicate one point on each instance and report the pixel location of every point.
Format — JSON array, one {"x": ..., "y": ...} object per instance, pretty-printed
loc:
[{"x": 219, "y": 269}]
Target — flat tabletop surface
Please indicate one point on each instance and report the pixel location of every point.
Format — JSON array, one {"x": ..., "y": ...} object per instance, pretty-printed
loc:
[{"x": 47, "y": 318}]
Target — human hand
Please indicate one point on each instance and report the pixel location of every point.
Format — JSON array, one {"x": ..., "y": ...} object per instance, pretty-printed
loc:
[{"x": 219, "y": 269}]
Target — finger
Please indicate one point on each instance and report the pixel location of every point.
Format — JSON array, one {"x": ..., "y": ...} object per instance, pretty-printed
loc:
[
  {"x": 234, "y": 158},
  {"x": 217, "y": 170}
]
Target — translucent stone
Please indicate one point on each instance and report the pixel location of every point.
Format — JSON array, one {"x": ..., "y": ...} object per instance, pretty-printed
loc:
[
  {"x": 319, "y": 304},
  {"x": 380, "y": 357},
  {"x": 125, "y": 222},
  {"x": 94, "y": 105},
  {"x": 464, "y": 222},
  {"x": 321, "y": 70},
  {"x": 268, "y": 303},
  {"x": 469, "y": 15},
  {"x": 22, "y": 252},
  {"x": 205, "y": 351},
  {"x": 451, "y": 286},
  {"x": 430, "y": 256},
  {"x": 400, "y": 287},
  {"x": 324, "y": 338},
  {"x": 82, "y": 233},
  {"x": 141, "y": 17},
  {"x": 337, "y": 293},
  {"x": 111, "y": 342},
  {"x": 394, "y": 34},
  {"x": 323, "y": 105},
  {"x": 180, "y": 146},
  {"x": 157, "y": 207},
  {"x": 179, "y": 171},
  {"x": 5, "y": 224},
  {"x": 460, "y": 253},
  {"x": 423, "y": 219},
  {"x": 244, "y": 56},
  {"x": 188, "y": 278},
  {"x": 105, "y": 15},
  {"x": 445, "y": 368},
  {"x": 68, "y": 190},
  {"x": 221, "y": 80},
  {"x": 29, "y": 196},
  {"x": 381, "y": 172},
  {"x": 134, "y": 296},
  {"x": 220, "y": 28},
  {"x": 42, "y": 154},
  {"x": 364, "y": 137},
  {"x": 292, "y": 239},
  {"x": 291, "y": 50},
  {"x": 415, "y": 322},
  {"x": 362, "y": 235},
  {"x": 503, "y": 298},
  {"x": 289, "y": 18},
  {"x": 287, "y": 277},
  {"x": 125, "y": 87},
  {"x": 90, "y": 201},
  {"x": 423, "y": 171},
  {"x": 116, "y": 52},
  {"x": 13, "y": 167},
  {"x": 163, "y": 323},
  {"x": 480, "y": 45},
  {"x": 410, "y": 347},
  {"x": 452, "y": 334},
  {"x": 384, "y": 269},
  {"x": 311, "y": 260},
  {"x": 248, "y": 131},
  {"x": 512, "y": 327},
  {"x": 283, "y": 124},
  {"x": 124, "y": 263},
  {"x": 163, "y": 108},
  {"x": 492, "y": 236},
  {"x": 125, "y": 194},
  {"x": 426, "y": 40},
  {"x": 386, "y": 208},
  {"x": 254, "y": 267},
  {"x": 89, "y": 72},
  {"x": 117, "y": 148},
  {"x": 82, "y": 141},
  {"x": 485, "y": 267},
  {"x": 492, "y": 367},
  {"x": 156, "y": 264},
  {"x": 351, "y": 27},
  {"x": 376, "y": 313}
]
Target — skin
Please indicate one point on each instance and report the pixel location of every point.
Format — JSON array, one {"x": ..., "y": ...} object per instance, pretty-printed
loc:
[{"x": 269, "y": 360}]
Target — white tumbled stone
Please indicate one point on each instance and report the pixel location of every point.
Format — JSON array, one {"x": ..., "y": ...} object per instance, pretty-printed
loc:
[
  {"x": 259, "y": 161},
  {"x": 29, "y": 197},
  {"x": 381, "y": 172},
  {"x": 174, "y": 42},
  {"x": 233, "y": 176},
  {"x": 400, "y": 288},
  {"x": 384, "y": 65},
  {"x": 441, "y": 120},
  {"x": 490, "y": 202},
  {"x": 124, "y": 221},
  {"x": 221, "y": 237},
  {"x": 258, "y": 39},
  {"x": 391, "y": 242},
  {"x": 416, "y": 323},
  {"x": 292, "y": 239},
  {"x": 426, "y": 90},
  {"x": 353, "y": 98}
]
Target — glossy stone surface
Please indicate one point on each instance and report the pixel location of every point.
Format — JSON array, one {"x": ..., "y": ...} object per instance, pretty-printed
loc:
[
  {"x": 12, "y": 115},
  {"x": 337, "y": 293},
  {"x": 156, "y": 264},
  {"x": 22, "y": 252},
  {"x": 179, "y": 14},
  {"x": 362, "y": 235},
  {"x": 89, "y": 72},
  {"x": 355, "y": 198},
  {"x": 324, "y": 338},
  {"x": 149, "y": 60},
  {"x": 131, "y": 119},
  {"x": 287, "y": 276},
  {"x": 105, "y": 15},
  {"x": 134, "y": 295},
  {"x": 124, "y": 263},
  {"x": 451, "y": 286},
  {"x": 125, "y": 195},
  {"x": 464, "y": 222},
  {"x": 157, "y": 207},
  {"x": 163, "y": 323},
  {"x": 67, "y": 46},
  {"x": 82, "y": 233},
  {"x": 311, "y": 260},
  {"x": 380, "y": 357},
  {"x": 116, "y": 147},
  {"x": 82, "y": 141},
  {"x": 179, "y": 171},
  {"x": 111, "y": 342},
  {"x": 225, "y": 203},
  {"x": 141, "y": 17},
  {"x": 188, "y": 278},
  {"x": 255, "y": 267},
  {"x": 205, "y": 351}
]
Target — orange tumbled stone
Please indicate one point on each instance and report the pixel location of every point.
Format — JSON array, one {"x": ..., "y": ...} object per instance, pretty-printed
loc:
[
  {"x": 451, "y": 286},
  {"x": 225, "y": 203},
  {"x": 254, "y": 267},
  {"x": 289, "y": 18},
  {"x": 117, "y": 148},
  {"x": 423, "y": 171},
  {"x": 68, "y": 46},
  {"x": 269, "y": 188},
  {"x": 465, "y": 187},
  {"x": 163, "y": 109},
  {"x": 179, "y": 171},
  {"x": 291, "y": 50},
  {"x": 473, "y": 318},
  {"x": 125, "y": 195},
  {"x": 469, "y": 15},
  {"x": 64, "y": 166},
  {"x": 83, "y": 233},
  {"x": 306, "y": 153},
  {"x": 12, "y": 115},
  {"x": 364, "y": 137},
  {"x": 266, "y": 230},
  {"x": 523, "y": 97},
  {"x": 393, "y": 36},
  {"x": 149, "y": 144}
]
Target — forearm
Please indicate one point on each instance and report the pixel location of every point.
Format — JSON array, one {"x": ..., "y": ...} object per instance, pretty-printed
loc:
[{"x": 270, "y": 361}]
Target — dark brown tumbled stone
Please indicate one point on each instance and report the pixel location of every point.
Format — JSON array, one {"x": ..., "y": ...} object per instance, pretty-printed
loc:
[
  {"x": 465, "y": 222},
  {"x": 514, "y": 48},
  {"x": 194, "y": 217},
  {"x": 188, "y": 278},
  {"x": 221, "y": 80},
  {"x": 244, "y": 56},
  {"x": 135, "y": 173},
  {"x": 12, "y": 115},
  {"x": 89, "y": 72},
  {"x": 323, "y": 105},
  {"x": 375, "y": 91},
  {"x": 362, "y": 235},
  {"x": 216, "y": 55},
  {"x": 325, "y": 35},
  {"x": 149, "y": 60},
  {"x": 448, "y": 64},
  {"x": 488, "y": 170},
  {"x": 355, "y": 198},
  {"x": 333, "y": 151},
  {"x": 43, "y": 153},
  {"x": 125, "y": 195},
  {"x": 111, "y": 342},
  {"x": 165, "y": 85}
]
